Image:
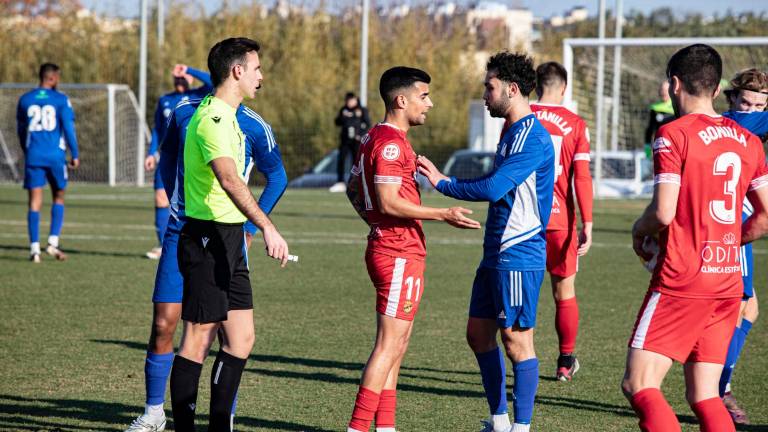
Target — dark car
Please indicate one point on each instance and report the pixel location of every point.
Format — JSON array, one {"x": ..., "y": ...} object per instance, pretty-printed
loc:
[{"x": 461, "y": 164}]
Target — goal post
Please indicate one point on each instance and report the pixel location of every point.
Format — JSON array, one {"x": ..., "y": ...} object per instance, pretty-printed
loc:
[
  {"x": 622, "y": 94},
  {"x": 111, "y": 135}
]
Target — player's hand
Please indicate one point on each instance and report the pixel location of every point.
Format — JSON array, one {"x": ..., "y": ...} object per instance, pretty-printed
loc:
[
  {"x": 454, "y": 216},
  {"x": 430, "y": 171},
  {"x": 276, "y": 246},
  {"x": 179, "y": 70},
  {"x": 585, "y": 239},
  {"x": 248, "y": 240},
  {"x": 150, "y": 163},
  {"x": 637, "y": 245},
  {"x": 74, "y": 163}
]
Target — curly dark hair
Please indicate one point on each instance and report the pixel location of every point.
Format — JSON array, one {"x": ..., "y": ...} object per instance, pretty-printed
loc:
[{"x": 514, "y": 68}]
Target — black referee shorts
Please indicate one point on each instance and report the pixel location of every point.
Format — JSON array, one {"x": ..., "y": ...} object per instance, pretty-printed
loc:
[{"x": 212, "y": 263}]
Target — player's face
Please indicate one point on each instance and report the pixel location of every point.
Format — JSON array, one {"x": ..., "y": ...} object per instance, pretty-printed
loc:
[
  {"x": 250, "y": 78},
  {"x": 496, "y": 95},
  {"x": 749, "y": 101},
  {"x": 418, "y": 103}
]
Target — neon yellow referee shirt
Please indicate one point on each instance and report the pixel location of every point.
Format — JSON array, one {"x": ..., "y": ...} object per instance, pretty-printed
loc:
[{"x": 213, "y": 132}]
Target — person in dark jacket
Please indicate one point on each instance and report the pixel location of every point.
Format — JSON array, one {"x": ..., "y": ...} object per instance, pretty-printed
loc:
[{"x": 354, "y": 122}]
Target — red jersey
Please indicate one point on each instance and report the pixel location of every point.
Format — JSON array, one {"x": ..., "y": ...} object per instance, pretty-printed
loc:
[
  {"x": 386, "y": 156},
  {"x": 571, "y": 139},
  {"x": 716, "y": 162}
]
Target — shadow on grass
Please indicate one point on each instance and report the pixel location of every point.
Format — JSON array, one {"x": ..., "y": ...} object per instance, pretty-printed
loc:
[
  {"x": 20, "y": 413},
  {"x": 67, "y": 251}
]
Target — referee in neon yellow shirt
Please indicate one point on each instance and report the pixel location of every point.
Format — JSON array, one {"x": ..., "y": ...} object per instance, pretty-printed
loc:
[{"x": 211, "y": 253}]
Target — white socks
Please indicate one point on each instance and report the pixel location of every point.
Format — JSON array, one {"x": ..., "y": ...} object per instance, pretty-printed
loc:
[
  {"x": 154, "y": 410},
  {"x": 53, "y": 241},
  {"x": 34, "y": 248},
  {"x": 386, "y": 429},
  {"x": 517, "y": 427},
  {"x": 500, "y": 422}
]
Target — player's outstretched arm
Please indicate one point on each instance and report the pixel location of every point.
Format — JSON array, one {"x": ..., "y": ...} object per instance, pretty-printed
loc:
[
  {"x": 68, "y": 126},
  {"x": 756, "y": 225},
  {"x": 392, "y": 204},
  {"x": 657, "y": 216},
  {"x": 226, "y": 173}
]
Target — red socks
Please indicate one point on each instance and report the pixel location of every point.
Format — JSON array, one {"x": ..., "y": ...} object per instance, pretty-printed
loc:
[
  {"x": 385, "y": 414},
  {"x": 713, "y": 416},
  {"x": 567, "y": 324},
  {"x": 655, "y": 413},
  {"x": 366, "y": 404}
]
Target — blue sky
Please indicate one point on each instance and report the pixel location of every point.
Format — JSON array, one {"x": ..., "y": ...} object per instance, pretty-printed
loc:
[{"x": 540, "y": 9}]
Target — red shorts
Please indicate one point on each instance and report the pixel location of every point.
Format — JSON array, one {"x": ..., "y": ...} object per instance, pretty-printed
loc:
[
  {"x": 686, "y": 329},
  {"x": 399, "y": 284},
  {"x": 562, "y": 259}
]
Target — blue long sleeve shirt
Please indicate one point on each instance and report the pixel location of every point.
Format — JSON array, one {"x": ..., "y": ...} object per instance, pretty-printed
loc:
[
  {"x": 519, "y": 190},
  {"x": 261, "y": 152}
]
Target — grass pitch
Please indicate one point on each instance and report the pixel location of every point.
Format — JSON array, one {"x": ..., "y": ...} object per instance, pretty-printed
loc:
[{"x": 73, "y": 334}]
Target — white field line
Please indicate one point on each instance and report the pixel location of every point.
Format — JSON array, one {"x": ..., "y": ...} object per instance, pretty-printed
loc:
[{"x": 320, "y": 239}]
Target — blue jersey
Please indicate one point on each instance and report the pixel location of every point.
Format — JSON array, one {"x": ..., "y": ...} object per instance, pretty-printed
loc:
[
  {"x": 45, "y": 124},
  {"x": 519, "y": 190},
  {"x": 261, "y": 151},
  {"x": 755, "y": 121},
  {"x": 168, "y": 102}
]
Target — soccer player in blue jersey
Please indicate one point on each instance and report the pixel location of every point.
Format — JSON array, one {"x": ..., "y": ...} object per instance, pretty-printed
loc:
[
  {"x": 45, "y": 123},
  {"x": 505, "y": 293},
  {"x": 747, "y": 100},
  {"x": 261, "y": 152},
  {"x": 183, "y": 77}
]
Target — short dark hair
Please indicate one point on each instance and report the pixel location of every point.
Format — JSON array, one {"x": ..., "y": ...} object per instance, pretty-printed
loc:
[
  {"x": 349, "y": 95},
  {"x": 514, "y": 68},
  {"x": 699, "y": 68},
  {"x": 398, "y": 78},
  {"x": 226, "y": 54},
  {"x": 549, "y": 74},
  {"x": 46, "y": 69}
]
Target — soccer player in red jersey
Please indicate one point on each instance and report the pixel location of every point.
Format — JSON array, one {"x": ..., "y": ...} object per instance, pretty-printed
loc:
[
  {"x": 564, "y": 244},
  {"x": 384, "y": 192},
  {"x": 704, "y": 165}
]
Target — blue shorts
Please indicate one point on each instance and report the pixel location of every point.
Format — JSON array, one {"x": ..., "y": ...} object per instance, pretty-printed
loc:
[
  {"x": 169, "y": 285},
  {"x": 37, "y": 176},
  {"x": 158, "y": 179},
  {"x": 510, "y": 297},
  {"x": 746, "y": 271}
]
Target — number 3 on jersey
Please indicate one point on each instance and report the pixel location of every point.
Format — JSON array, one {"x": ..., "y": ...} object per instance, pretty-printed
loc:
[
  {"x": 41, "y": 118},
  {"x": 717, "y": 208}
]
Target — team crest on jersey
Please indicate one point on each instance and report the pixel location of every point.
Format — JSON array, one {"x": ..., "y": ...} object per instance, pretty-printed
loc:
[
  {"x": 407, "y": 306},
  {"x": 729, "y": 238},
  {"x": 390, "y": 152}
]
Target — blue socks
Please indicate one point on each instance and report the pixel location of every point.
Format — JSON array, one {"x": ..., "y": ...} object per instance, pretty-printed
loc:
[
  {"x": 33, "y": 226},
  {"x": 493, "y": 373},
  {"x": 526, "y": 381},
  {"x": 734, "y": 350},
  {"x": 157, "y": 369},
  {"x": 57, "y": 219},
  {"x": 161, "y": 222}
]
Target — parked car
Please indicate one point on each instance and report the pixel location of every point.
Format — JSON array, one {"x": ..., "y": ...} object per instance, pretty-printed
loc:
[
  {"x": 322, "y": 175},
  {"x": 461, "y": 164}
]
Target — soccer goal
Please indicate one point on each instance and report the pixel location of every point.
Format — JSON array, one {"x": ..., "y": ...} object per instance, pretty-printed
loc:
[
  {"x": 110, "y": 133},
  {"x": 613, "y": 82}
]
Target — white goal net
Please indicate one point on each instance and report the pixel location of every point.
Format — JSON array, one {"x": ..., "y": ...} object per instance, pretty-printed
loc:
[
  {"x": 615, "y": 102},
  {"x": 110, "y": 134}
]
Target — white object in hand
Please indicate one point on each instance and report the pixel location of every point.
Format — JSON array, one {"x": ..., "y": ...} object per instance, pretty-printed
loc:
[
  {"x": 294, "y": 258},
  {"x": 651, "y": 246}
]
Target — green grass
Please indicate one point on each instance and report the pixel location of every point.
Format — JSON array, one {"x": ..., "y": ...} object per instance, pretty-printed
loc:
[{"x": 73, "y": 334}]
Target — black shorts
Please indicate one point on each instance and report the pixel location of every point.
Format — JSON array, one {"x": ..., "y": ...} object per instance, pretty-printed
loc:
[{"x": 215, "y": 272}]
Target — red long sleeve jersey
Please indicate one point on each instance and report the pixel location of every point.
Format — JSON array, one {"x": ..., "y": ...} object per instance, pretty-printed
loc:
[
  {"x": 570, "y": 137},
  {"x": 386, "y": 157},
  {"x": 715, "y": 162}
]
